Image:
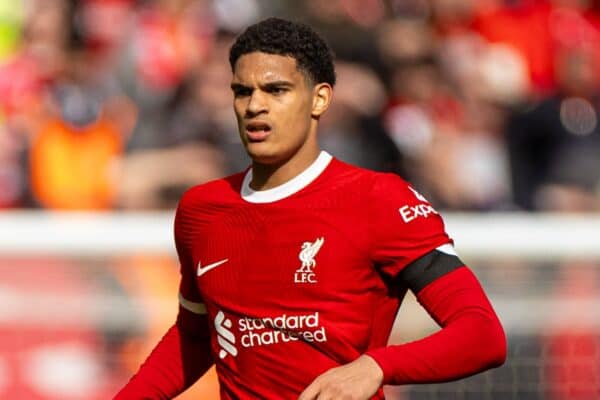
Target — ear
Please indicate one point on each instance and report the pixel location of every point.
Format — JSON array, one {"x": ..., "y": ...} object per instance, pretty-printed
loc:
[{"x": 322, "y": 94}]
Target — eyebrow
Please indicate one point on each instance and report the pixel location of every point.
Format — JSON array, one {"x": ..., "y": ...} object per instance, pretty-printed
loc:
[
  {"x": 280, "y": 83},
  {"x": 268, "y": 85}
]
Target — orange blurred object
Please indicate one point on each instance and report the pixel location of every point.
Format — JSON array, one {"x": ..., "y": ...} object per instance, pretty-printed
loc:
[{"x": 70, "y": 167}]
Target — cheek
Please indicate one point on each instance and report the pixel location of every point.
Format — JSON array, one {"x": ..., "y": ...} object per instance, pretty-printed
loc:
[
  {"x": 297, "y": 115},
  {"x": 238, "y": 110}
]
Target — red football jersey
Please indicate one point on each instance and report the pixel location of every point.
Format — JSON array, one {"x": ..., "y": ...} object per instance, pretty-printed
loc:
[{"x": 301, "y": 278}]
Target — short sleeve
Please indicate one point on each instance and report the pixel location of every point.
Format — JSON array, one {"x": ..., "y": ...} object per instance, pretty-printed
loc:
[{"x": 404, "y": 226}]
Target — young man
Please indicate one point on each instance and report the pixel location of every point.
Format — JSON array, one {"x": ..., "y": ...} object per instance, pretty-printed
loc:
[{"x": 293, "y": 271}]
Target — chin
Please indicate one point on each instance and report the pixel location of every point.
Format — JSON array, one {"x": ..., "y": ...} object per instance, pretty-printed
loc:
[{"x": 262, "y": 153}]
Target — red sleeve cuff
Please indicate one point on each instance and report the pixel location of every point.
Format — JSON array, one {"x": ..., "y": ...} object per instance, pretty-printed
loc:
[{"x": 386, "y": 363}]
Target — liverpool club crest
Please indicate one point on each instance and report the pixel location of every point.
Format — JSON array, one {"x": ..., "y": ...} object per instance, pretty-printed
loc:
[{"x": 306, "y": 274}]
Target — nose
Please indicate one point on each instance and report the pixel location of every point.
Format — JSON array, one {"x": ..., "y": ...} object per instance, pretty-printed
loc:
[{"x": 256, "y": 104}]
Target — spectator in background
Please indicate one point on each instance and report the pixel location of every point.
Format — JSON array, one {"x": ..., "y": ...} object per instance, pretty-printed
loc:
[
  {"x": 349, "y": 26},
  {"x": 75, "y": 146},
  {"x": 104, "y": 25},
  {"x": 168, "y": 40},
  {"x": 452, "y": 72},
  {"x": 58, "y": 102},
  {"x": 197, "y": 143},
  {"x": 179, "y": 139},
  {"x": 352, "y": 128},
  {"x": 446, "y": 111},
  {"x": 554, "y": 146},
  {"x": 524, "y": 26},
  {"x": 26, "y": 73}
]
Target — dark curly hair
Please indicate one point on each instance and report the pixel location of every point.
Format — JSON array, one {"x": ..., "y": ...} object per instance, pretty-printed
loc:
[{"x": 287, "y": 38}]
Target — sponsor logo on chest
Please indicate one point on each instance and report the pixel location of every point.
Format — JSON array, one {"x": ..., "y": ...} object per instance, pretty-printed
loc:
[
  {"x": 306, "y": 272},
  {"x": 256, "y": 332},
  {"x": 225, "y": 336}
]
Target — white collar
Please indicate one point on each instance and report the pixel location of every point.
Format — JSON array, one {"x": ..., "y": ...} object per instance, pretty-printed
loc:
[{"x": 288, "y": 188}]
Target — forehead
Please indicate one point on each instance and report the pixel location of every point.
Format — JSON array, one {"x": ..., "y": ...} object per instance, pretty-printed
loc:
[{"x": 264, "y": 67}]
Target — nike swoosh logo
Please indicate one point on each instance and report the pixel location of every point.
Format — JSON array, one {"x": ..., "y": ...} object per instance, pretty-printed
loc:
[{"x": 203, "y": 270}]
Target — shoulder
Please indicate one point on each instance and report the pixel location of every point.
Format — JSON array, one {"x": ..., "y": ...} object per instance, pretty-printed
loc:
[
  {"x": 375, "y": 182},
  {"x": 218, "y": 191},
  {"x": 374, "y": 185},
  {"x": 203, "y": 204},
  {"x": 390, "y": 195},
  {"x": 383, "y": 181},
  {"x": 351, "y": 175},
  {"x": 394, "y": 187}
]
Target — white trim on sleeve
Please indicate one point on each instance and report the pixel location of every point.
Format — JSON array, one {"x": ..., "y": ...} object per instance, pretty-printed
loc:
[
  {"x": 447, "y": 249},
  {"x": 196, "y": 308}
]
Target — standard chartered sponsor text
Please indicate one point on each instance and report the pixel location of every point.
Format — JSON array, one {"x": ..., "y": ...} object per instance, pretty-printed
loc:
[{"x": 281, "y": 329}]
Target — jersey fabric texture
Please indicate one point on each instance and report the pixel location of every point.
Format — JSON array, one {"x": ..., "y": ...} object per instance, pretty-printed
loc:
[{"x": 279, "y": 286}]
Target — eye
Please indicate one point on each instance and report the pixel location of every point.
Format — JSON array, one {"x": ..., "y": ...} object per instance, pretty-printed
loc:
[
  {"x": 277, "y": 90},
  {"x": 242, "y": 92}
]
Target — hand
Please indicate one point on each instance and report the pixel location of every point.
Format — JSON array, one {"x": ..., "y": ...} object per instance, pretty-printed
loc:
[{"x": 358, "y": 380}]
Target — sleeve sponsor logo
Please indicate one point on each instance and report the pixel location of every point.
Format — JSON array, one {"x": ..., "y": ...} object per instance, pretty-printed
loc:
[
  {"x": 418, "y": 195},
  {"x": 409, "y": 212}
]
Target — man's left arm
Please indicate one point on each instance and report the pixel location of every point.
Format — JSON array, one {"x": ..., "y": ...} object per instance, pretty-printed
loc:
[
  {"x": 471, "y": 340},
  {"x": 411, "y": 247}
]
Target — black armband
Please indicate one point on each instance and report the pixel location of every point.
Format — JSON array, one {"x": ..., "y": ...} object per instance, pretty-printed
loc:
[{"x": 428, "y": 268}]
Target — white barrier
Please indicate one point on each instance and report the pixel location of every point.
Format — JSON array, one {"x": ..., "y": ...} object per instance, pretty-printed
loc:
[{"x": 531, "y": 236}]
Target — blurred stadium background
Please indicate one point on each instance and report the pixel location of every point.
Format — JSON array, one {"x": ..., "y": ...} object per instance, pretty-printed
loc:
[{"x": 110, "y": 109}]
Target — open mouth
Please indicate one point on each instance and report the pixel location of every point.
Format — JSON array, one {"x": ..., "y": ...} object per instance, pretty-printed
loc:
[{"x": 257, "y": 131}]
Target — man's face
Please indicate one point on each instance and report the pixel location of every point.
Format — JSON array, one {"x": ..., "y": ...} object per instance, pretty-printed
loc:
[{"x": 273, "y": 103}]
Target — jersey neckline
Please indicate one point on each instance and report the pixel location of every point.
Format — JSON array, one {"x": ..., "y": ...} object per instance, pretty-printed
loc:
[{"x": 288, "y": 188}]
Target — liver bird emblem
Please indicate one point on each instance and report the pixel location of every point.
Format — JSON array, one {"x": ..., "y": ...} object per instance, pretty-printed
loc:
[{"x": 308, "y": 253}]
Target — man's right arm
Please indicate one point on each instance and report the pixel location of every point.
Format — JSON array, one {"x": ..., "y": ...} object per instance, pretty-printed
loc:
[
  {"x": 183, "y": 355},
  {"x": 180, "y": 359}
]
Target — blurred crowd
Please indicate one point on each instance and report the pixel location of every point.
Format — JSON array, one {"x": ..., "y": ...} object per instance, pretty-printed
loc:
[{"x": 124, "y": 104}]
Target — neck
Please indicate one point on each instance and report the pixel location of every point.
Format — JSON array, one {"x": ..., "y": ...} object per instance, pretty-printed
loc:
[{"x": 268, "y": 176}]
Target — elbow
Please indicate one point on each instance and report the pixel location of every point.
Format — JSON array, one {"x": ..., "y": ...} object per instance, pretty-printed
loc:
[
  {"x": 501, "y": 353},
  {"x": 487, "y": 347},
  {"x": 495, "y": 345},
  {"x": 497, "y": 355}
]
